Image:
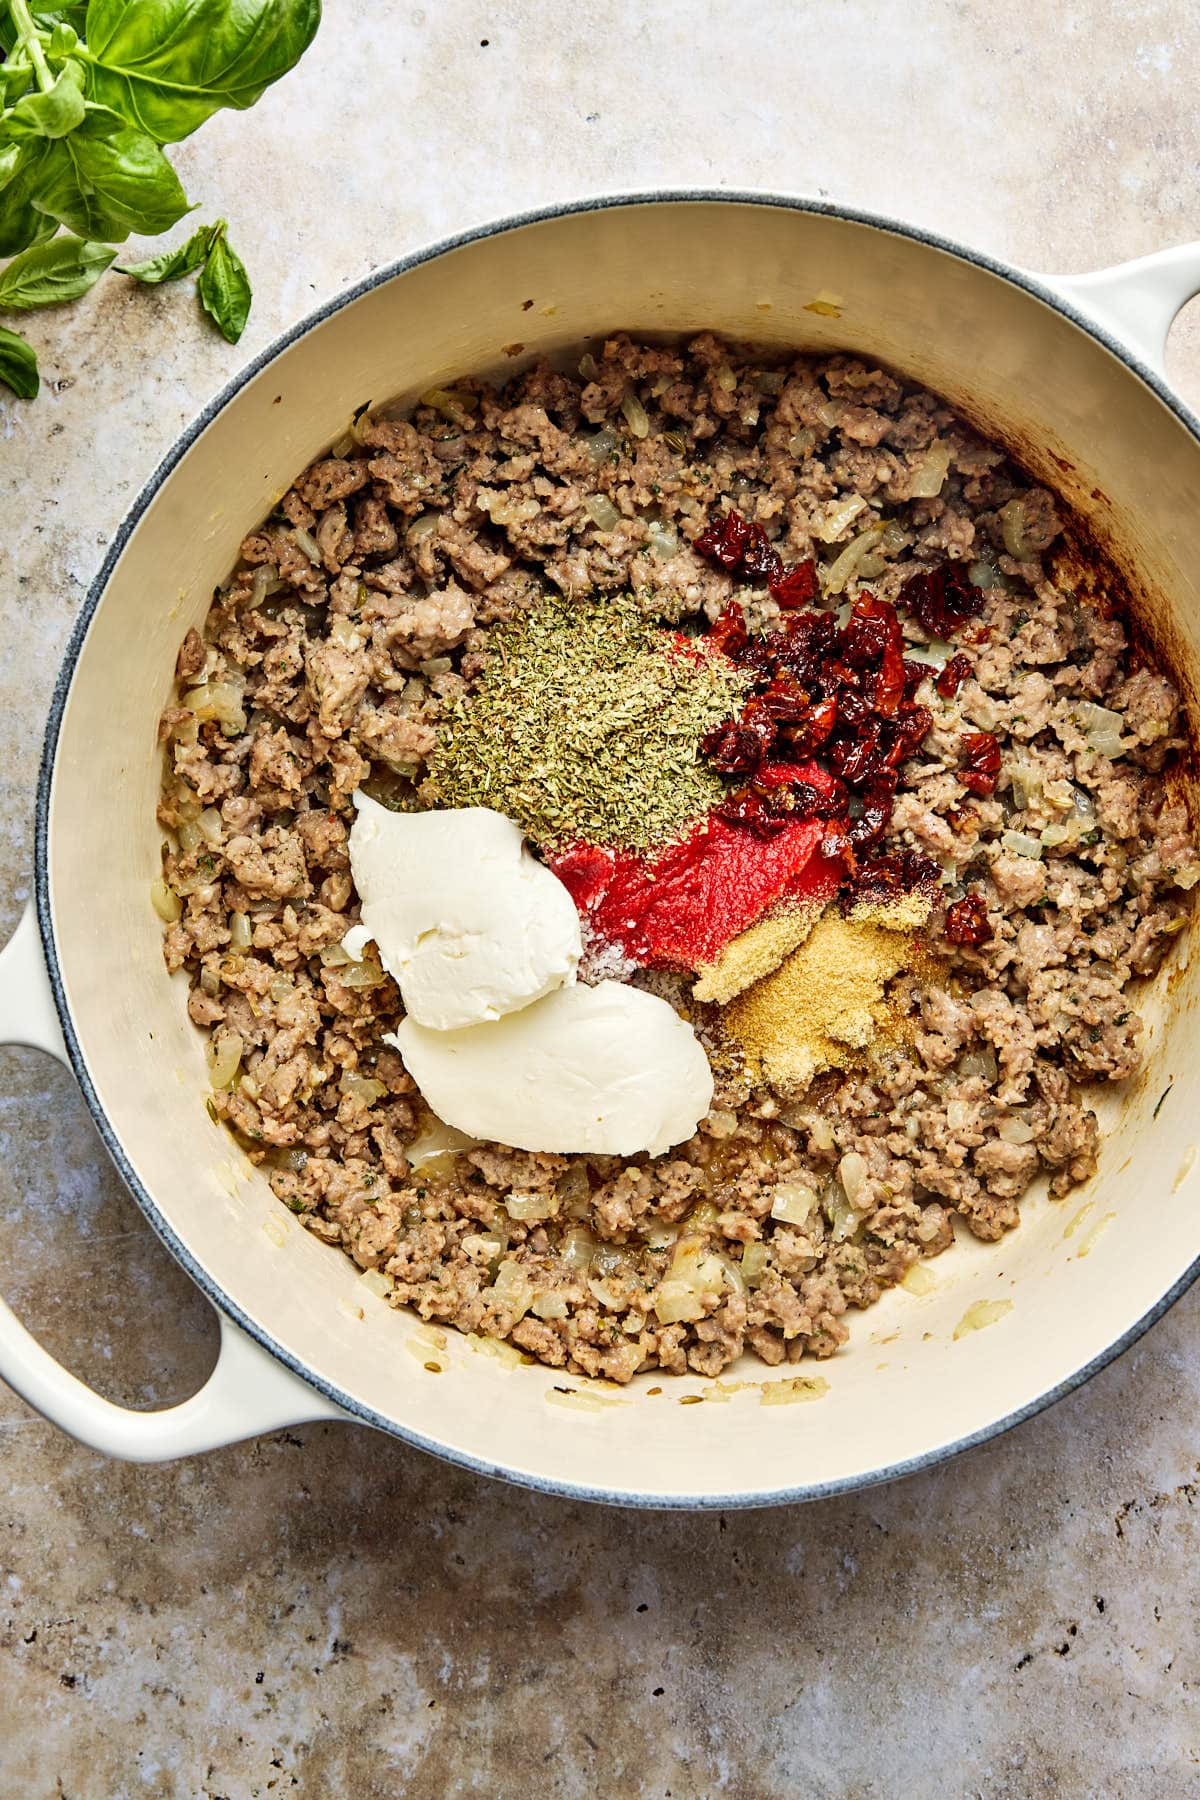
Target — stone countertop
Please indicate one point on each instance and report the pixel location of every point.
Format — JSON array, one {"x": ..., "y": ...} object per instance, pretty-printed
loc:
[{"x": 325, "y": 1611}]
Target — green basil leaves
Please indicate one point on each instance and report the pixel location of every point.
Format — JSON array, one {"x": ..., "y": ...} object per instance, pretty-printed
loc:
[
  {"x": 89, "y": 94},
  {"x": 169, "y": 64},
  {"x": 52, "y": 273},
  {"x": 224, "y": 286},
  {"x": 18, "y": 365}
]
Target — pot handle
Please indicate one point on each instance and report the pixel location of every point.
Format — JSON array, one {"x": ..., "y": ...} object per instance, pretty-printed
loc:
[
  {"x": 248, "y": 1391},
  {"x": 1137, "y": 301}
]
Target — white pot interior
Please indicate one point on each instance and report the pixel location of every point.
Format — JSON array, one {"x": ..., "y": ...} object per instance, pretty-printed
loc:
[{"x": 1079, "y": 1273}]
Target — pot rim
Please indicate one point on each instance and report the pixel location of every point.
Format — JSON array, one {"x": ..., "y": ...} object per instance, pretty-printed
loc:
[{"x": 160, "y": 1224}]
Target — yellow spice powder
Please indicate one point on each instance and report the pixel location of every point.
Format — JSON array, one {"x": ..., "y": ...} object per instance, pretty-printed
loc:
[
  {"x": 827, "y": 1000},
  {"x": 754, "y": 954}
]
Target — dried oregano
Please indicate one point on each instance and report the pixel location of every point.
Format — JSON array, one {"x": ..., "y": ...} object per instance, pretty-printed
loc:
[{"x": 586, "y": 725}]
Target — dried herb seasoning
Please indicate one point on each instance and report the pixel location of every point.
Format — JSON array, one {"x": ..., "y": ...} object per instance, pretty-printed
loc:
[{"x": 586, "y": 726}]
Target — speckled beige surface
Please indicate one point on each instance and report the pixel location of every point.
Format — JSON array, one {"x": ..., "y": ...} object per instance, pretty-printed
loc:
[{"x": 325, "y": 1612}]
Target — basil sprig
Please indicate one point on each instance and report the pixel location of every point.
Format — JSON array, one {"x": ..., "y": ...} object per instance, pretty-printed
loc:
[{"x": 89, "y": 94}]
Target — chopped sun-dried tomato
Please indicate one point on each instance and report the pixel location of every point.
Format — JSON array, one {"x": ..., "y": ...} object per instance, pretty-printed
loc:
[
  {"x": 727, "y": 632},
  {"x": 881, "y": 878},
  {"x": 726, "y": 540},
  {"x": 795, "y": 585},
  {"x": 735, "y": 748},
  {"x": 980, "y": 766},
  {"x": 967, "y": 921},
  {"x": 943, "y": 599},
  {"x": 953, "y": 676}
]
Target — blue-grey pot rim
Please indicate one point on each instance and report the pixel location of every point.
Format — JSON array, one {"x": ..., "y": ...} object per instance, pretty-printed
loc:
[{"x": 355, "y": 1410}]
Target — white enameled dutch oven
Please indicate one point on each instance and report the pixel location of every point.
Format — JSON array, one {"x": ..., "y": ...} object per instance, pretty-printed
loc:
[{"x": 1069, "y": 374}]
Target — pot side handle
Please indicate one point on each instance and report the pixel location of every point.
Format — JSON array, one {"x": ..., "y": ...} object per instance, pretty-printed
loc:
[
  {"x": 1136, "y": 301},
  {"x": 248, "y": 1391}
]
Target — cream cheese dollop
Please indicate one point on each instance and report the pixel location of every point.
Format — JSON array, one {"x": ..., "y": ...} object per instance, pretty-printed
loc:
[
  {"x": 469, "y": 924},
  {"x": 607, "y": 1069}
]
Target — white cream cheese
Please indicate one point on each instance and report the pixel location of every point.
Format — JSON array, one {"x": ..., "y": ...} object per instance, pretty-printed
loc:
[
  {"x": 468, "y": 923},
  {"x": 608, "y": 1069}
]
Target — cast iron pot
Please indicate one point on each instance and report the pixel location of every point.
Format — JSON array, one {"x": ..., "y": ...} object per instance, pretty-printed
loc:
[{"x": 1069, "y": 374}]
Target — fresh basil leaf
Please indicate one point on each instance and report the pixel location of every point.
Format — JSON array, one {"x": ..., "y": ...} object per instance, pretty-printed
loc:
[
  {"x": 18, "y": 365},
  {"x": 224, "y": 288},
  {"x": 106, "y": 179},
  {"x": 47, "y": 17},
  {"x": 21, "y": 222},
  {"x": 184, "y": 260},
  {"x": 167, "y": 65},
  {"x": 63, "y": 38},
  {"x": 52, "y": 273},
  {"x": 16, "y": 76},
  {"x": 54, "y": 113}
]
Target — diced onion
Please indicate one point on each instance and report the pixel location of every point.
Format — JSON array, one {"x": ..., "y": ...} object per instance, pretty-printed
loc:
[
  {"x": 483, "y": 1246},
  {"x": 725, "y": 378},
  {"x": 930, "y": 475},
  {"x": 209, "y": 823},
  {"x": 528, "y": 1207},
  {"x": 549, "y": 1305},
  {"x": 981, "y": 1063},
  {"x": 1021, "y": 844},
  {"x": 755, "y": 1260},
  {"x": 304, "y": 540},
  {"x": 601, "y": 511},
  {"x": 588, "y": 367},
  {"x": 1015, "y": 1131},
  {"x": 1014, "y": 523},
  {"x": 577, "y": 1247},
  {"x": 512, "y": 1288},
  {"x": 664, "y": 540},
  {"x": 1102, "y": 728},
  {"x": 376, "y": 1282},
  {"x": 265, "y": 580},
  {"x": 984, "y": 574},
  {"x": 224, "y": 1056},
  {"x": 845, "y": 567},
  {"x": 446, "y": 401},
  {"x": 792, "y": 1202},
  {"x": 636, "y": 416},
  {"x": 239, "y": 931},
  {"x": 601, "y": 446},
  {"x": 1026, "y": 783},
  {"x": 802, "y": 442},
  {"x": 422, "y": 527},
  {"x": 219, "y": 700},
  {"x": 918, "y": 1279},
  {"x": 853, "y": 1172},
  {"x": 361, "y": 1087},
  {"x": 843, "y": 514},
  {"x": 165, "y": 902},
  {"x": 436, "y": 1141},
  {"x": 844, "y": 1221},
  {"x": 958, "y": 1114}
]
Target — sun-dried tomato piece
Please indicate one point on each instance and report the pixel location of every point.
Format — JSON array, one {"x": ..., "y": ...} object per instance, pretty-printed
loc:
[
  {"x": 889, "y": 683},
  {"x": 857, "y": 759},
  {"x": 735, "y": 748},
  {"x": 748, "y": 807},
  {"x": 943, "y": 599},
  {"x": 760, "y": 561},
  {"x": 795, "y": 584},
  {"x": 980, "y": 766},
  {"x": 853, "y": 708},
  {"x": 967, "y": 921},
  {"x": 728, "y": 633},
  {"x": 910, "y": 728},
  {"x": 808, "y": 734},
  {"x": 878, "y": 798},
  {"x": 726, "y": 540},
  {"x": 881, "y": 878},
  {"x": 914, "y": 675},
  {"x": 871, "y": 627},
  {"x": 953, "y": 676}
]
